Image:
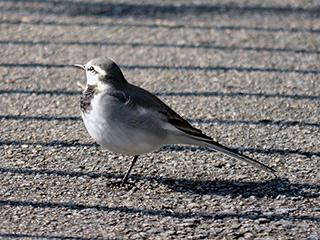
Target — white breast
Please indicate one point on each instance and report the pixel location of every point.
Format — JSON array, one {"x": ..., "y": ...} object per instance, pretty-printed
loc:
[{"x": 113, "y": 134}]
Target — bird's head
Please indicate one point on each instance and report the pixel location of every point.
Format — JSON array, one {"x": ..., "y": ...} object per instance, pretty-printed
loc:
[{"x": 102, "y": 73}]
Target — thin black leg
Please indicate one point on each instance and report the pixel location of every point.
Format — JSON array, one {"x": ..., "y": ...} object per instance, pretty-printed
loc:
[{"x": 125, "y": 178}]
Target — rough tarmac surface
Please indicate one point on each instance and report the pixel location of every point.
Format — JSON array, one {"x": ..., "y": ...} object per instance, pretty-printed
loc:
[{"x": 245, "y": 72}]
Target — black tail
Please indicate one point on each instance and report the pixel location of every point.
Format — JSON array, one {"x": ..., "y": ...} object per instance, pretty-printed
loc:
[{"x": 218, "y": 147}]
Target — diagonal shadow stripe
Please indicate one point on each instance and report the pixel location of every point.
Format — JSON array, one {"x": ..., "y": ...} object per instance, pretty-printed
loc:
[
  {"x": 179, "y": 94},
  {"x": 49, "y": 144},
  {"x": 150, "y": 212},
  {"x": 210, "y": 68},
  {"x": 39, "y": 118},
  {"x": 42, "y": 92},
  {"x": 168, "y": 26},
  {"x": 171, "y": 148},
  {"x": 149, "y": 10},
  {"x": 162, "y": 45},
  {"x": 33, "y": 236},
  {"x": 237, "y": 94},
  {"x": 251, "y": 150},
  {"x": 264, "y": 122}
]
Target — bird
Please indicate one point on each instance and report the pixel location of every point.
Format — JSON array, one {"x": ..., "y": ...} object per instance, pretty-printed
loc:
[{"x": 126, "y": 119}]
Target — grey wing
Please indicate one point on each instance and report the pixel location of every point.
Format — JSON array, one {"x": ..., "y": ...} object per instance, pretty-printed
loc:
[
  {"x": 134, "y": 111},
  {"x": 147, "y": 100}
]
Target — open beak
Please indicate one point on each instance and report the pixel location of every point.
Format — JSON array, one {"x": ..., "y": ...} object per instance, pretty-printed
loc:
[{"x": 80, "y": 66}]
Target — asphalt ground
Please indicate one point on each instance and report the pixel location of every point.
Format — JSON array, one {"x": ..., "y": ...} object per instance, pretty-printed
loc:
[{"x": 245, "y": 72}]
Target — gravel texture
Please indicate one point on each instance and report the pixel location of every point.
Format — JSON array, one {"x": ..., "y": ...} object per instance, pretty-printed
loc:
[{"x": 245, "y": 72}]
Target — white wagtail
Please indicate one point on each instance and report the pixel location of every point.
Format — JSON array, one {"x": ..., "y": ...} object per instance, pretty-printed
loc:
[{"x": 126, "y": 119}]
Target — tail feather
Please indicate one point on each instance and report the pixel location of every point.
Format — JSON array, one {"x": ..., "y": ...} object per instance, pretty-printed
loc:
[
  {"x": 218, "y": 147},
  {"x": 194, "y": 136}
]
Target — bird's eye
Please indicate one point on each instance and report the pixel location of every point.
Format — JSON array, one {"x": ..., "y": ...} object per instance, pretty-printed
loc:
[{"x": 91, "y": 69}]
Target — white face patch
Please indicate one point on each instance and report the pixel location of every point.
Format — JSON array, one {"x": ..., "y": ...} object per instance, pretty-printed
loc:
[{"x": 93, "y": 76}]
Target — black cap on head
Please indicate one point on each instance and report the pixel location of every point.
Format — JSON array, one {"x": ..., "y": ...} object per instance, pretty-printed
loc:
[{"x": 111, "y": 69}]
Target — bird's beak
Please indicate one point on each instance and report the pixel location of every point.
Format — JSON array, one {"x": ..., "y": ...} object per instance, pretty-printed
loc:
[{"x": 80, "y": 66}]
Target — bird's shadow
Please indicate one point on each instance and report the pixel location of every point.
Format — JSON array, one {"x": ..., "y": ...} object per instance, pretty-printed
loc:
[{"x": 269, "y": 188}]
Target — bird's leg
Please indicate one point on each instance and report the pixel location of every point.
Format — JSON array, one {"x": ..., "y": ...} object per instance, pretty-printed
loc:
[{"x": 125, "y": 178}]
